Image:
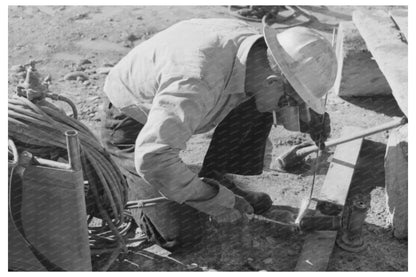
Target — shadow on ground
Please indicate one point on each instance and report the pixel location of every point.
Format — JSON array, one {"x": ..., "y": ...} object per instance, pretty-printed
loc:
[
  {"x": 230, "y": 247},
  {"x": 369, "y": 172},
  {"x": 386, "y": 105}
]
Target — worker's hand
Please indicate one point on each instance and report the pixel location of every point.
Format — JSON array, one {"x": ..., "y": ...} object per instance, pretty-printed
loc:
[
  {"x": 239, "y": 211},
  {"x": 319, "y": 128}
]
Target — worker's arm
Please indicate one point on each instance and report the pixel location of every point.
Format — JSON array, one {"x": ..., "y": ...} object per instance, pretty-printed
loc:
[{"x": 175, "y": 114}]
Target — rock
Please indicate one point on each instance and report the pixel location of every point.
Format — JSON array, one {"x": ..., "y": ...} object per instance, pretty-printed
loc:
[
  {"x": 90, "y": 71},
  {"x": 86, "y": 83},
  {"x": 92, "y": 98},
  {"x": 192, "y": 266},
  {"x": 17, "y": 68},
  {"x": 76, "y": 76},
  {"x": 84, "y": 61},
  {"x": 389, "y": 48},
  {"x": 103, "y": 70},
  {"x": 358, "y": 73},
  {"x": 131, "y": 37},
  {"x": 268, "y": 261},
  {"x": 396, "y": 176},
  {"x": 80, "y": 16}
]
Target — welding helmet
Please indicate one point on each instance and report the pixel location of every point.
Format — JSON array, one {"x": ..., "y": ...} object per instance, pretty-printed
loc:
[{"x": 306, "y": 59}]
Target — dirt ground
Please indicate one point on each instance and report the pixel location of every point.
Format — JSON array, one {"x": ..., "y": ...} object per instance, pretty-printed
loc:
[{"x": 63, "y": 38}]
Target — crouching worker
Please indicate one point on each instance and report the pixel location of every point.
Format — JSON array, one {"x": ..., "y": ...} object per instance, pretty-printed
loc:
[{"x": 190, "y": 78}]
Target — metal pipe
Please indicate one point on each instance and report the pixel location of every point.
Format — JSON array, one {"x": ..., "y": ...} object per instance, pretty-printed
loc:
[
  {"x": 377, "y": 129},
  {"x": 74, "y": 154},
  {"x": 352, "y": 225},
  {"x": 50, "y": 163}
]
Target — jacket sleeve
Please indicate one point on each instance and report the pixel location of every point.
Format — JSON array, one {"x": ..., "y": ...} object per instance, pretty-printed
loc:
[{"x": 176, "y": 112}]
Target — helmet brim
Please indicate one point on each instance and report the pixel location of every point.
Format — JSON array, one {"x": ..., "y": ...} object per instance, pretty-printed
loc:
[{"x": 282, "y": 59}]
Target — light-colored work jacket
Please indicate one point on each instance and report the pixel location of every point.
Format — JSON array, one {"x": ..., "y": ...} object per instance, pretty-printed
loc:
[{"x": 182, "y": 81}]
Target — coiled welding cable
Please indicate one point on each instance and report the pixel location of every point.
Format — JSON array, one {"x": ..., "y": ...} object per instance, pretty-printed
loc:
[{"x": 45, "y": 126}]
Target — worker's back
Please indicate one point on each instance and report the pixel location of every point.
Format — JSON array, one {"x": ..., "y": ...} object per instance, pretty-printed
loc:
[{"x": 203, "y": 50}]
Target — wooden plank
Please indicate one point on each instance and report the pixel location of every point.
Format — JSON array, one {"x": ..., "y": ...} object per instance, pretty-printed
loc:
[
  {"x": 316, "y": 251},
  {"x": 400, "y": 17},
  {"x": 317, "y": 248},
  {"x": 389, "y": 49},
  {"x": 341, "y": 170},
  {"x": 358, "y": 73}
]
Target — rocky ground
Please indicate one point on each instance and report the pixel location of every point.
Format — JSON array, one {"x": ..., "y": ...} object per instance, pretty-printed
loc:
[{"x": 89, "y": 40}]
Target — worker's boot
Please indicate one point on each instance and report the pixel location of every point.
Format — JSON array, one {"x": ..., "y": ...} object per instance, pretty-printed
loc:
[{"x": 260, "y": 201}]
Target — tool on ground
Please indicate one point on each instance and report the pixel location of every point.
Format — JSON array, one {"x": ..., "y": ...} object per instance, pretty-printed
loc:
[{"x": 295, "y": 155}]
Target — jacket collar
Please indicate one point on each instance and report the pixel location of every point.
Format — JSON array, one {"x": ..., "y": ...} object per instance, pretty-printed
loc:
[{"x": 236, "y": 82}]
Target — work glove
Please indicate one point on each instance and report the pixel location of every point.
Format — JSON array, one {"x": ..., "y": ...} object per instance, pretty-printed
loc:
[
  {"x": 319, "y": 128},
  {"x": 240, "y": 210},
  {"x": 223, "y": 205}
]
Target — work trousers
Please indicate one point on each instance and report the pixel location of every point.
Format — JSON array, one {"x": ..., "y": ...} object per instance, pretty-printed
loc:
[{"x": 237, "y": 146}]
